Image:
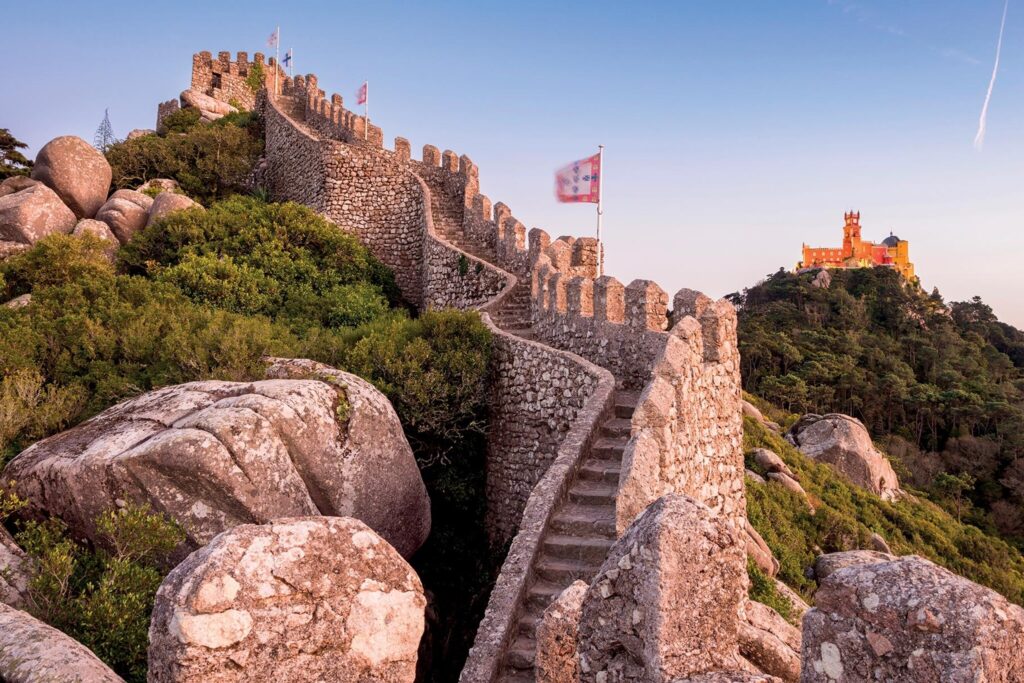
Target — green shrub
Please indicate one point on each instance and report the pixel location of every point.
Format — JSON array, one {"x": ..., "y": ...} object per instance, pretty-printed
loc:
[
  {"x": 763, "y": 590},
  {"x": 91, "y": 338},
  {"x": 280, "y": 260},
  {"x": 433, "y": 369},
  {"x": 209, "y": 161},
  {"x": 181, "y": 121},
  {"x": 102, "y": 598}
]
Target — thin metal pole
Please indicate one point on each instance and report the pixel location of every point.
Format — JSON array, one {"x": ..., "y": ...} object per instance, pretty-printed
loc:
[
  {"x": 600, "y": 209},
  {"x": 277, "y": 58},
  {"x": 366, "y": 112}
]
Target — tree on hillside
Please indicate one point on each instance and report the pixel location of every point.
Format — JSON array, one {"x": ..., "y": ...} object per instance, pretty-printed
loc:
[
  {"x": 945, "y": 379},
  {"x": 104, "y": 137},
  {"x": 12, "y": 162}
]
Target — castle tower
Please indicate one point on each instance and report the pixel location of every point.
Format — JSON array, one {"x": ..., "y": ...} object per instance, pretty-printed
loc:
[{"x": 851, "y": 234}]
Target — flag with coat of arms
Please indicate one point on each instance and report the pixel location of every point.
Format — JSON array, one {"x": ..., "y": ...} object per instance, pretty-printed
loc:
[{"x": 580, "y": 181}]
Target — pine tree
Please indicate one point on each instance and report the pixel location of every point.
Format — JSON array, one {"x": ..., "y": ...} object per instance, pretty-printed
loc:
[
  {"x": 12, "y": 162},
  {"x": 104, "y": 134}
]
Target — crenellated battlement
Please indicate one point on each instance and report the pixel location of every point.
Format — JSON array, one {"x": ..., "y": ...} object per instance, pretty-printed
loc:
[
  {"x": 600, "y": 317},
  {"x": 227, "y": 79},
  {"x": 566, "y": 339}
]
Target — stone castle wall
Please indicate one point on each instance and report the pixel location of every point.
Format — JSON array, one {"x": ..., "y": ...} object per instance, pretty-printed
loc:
[
  {"x": 226, "y": 79},
  {"x": 687, "y": 429},
  {"x": 548, "y": 397}
]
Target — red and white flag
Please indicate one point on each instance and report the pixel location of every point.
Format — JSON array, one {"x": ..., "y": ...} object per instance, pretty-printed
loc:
[
  {"x": 275, "y": 38},
  {"x": 580, "y": 181},
  {"x": 361, "y": 93}
]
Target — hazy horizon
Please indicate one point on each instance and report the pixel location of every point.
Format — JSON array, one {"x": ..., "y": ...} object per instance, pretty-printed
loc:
[{"x": 733, "y": 133}]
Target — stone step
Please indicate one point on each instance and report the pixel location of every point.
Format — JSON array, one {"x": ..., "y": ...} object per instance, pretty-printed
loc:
[
  {"x": 600, "y": 470},
  {"x": 618, "y": 426},
  {"x": 593, "y": 492},
  {"x": 510, "y": 675},
  {"x": 589, "y": 548},
  {"x": 587, "y": 520},
  {"x": 522, "y": 653},
  {"x": 541, "y": 594},
  {"x": 564, "y": 570},
  {"x": 625, "y": 410},
  {"x": 528, "y": 621},
  {"x": 609, "y": 448}
]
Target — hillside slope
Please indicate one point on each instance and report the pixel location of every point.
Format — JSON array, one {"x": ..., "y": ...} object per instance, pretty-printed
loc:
[{"x": 940, "y": 387}]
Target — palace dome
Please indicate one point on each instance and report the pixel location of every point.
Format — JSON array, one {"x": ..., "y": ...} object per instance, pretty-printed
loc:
[{"x": 891, "y": 241}]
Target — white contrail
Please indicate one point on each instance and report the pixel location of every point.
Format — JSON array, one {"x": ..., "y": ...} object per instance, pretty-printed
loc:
[{"x": 979, "y": 139}]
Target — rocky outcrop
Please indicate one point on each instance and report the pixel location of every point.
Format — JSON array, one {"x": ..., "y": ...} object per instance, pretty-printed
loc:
[
  {"x": 76, "y": 171},
  {"x": 30, "y": 214},
  {"x": 16, "y": 184},
  {"x": 666, "y": 601},
  {"x": 302, "y": 599},
  {"x": 558, "y": 636},
  {"x": 140, "y": 133},
  {"x": 32, "y": 652},
  {"x": 844, "y": 443},
  {"x": 798, "y": 608},
  {"x": 213, "y": 455},
  {"x": 770, "y": 642},
  {"x": 209, "y": 108},
  {"x": 15, "y": 572},
  {"x": 729, "y": 677},
  {"x": 99, "y": 230},
  {"x": 166, "y": 202},
  {"x": 19, "y": 301},
  {"x": 771, "y": 462},
  {"x": 161, "y": 184},
  {"x": 826, "y": 565},
  {"x": 759, "y": 552},
  {"x": 909, "y": 620},
  {"x": 125, "y": 218}
]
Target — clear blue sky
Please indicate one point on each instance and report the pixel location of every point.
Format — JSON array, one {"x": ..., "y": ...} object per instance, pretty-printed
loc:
[{"x": 735, "y": 131}]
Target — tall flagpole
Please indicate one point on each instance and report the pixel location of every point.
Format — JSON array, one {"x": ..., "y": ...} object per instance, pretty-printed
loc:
[
  {"x": 366, "y": 112},
  {"x": 277, "y": 58},
  {"x": 600, "y": 209}
]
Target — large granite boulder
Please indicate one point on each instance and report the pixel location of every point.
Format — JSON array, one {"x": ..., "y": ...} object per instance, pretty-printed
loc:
[
  {"x": 209, "y": 108},
  {"x": 213, "y": 455},
  {"x": 558, "y": 635},
  {"x": 158, "y": 185},
  {"x": 166, "y": 202},
  {"x": 16, "y": 183},
  {"x": 665, "y": 603},
  {"x": 15, "y": 571},
  {"x": 909, "y": 620},
  {"x": 30, "y": 214},
  {"x": 99, "y": 230},
  {"x": 759, "y": 552},
  {"x": 844, "y": 443},
  {"x": 770, "y": 642},
  {"x": 76, "y": 171},
  {"x": 32, "y": 652},
  {"x": 301, "y": 599},
  {"x": 826, "y": 565},
  {"x": 126, "y": 212}
]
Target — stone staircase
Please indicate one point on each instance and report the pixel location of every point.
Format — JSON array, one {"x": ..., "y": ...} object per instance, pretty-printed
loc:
[{"x": 581, "y": 533}]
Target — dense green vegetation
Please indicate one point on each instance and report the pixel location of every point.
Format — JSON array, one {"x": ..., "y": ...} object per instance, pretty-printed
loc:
[
  {"x": 206, "y": 295},
  {"x": 845, "y": 517},
  {"x": 941, "y": 388},
  {"x": 209, "y": 160},
  {"x": 278, "y": 260}
]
